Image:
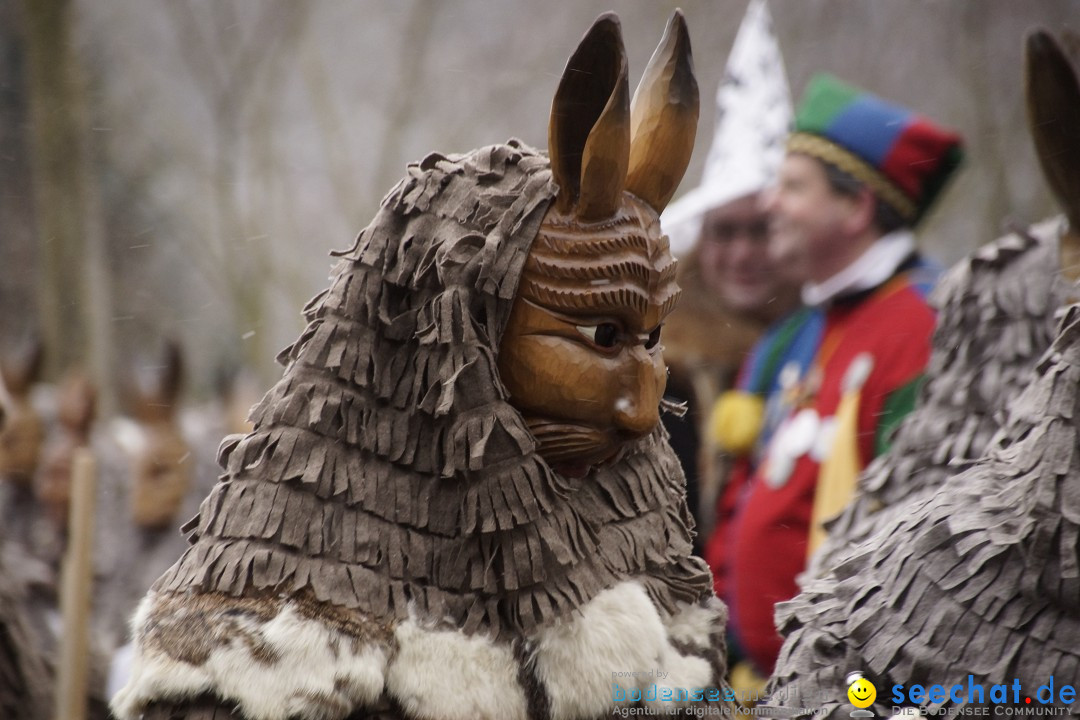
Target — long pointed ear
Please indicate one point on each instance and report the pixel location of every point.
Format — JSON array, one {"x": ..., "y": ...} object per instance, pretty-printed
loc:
[
  {"x": 154, "y": 389},
  {"x": 1070, "y": 43},
  {"x": 171, "y": 379},
  {"x": 589, "y": 129},
  {"x": 1053, "y": 102},
  {"x": 23, "y": 368},
  {"x": 663, "y": 118}
]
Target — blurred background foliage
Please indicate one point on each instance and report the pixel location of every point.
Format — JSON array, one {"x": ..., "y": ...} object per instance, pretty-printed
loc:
[{"x": 181, "y": 168}]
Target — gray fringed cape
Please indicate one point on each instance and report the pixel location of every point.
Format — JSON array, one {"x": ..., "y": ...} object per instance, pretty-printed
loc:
[
  {"x": 979, "y": 575},
  {"x": 995, "y": 319},
  {"x": 25, "y": 677},
  {"x": 388, "y": 528}
]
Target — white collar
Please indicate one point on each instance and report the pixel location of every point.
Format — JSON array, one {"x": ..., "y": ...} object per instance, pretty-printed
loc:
[{"x": 869, "y": 270}]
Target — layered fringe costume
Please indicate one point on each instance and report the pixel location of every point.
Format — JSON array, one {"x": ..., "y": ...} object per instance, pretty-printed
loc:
[
  {"x": 387, "y": 543},
  {"x": 25, "y": 675},
  {"x": 994, "y": 323},
  {"x": 975, "y": 585},
  {"x": 958, "y": 567}
]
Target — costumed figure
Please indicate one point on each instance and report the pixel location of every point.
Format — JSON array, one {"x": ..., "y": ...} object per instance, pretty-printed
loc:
[
  {"x": 36, "y": 545},
  {"x": 25, "y": 679},
  {"x": 21, "y": 441},
  {"x": 158, "y": 464},
  {"x": 458, "y": 502},
  {"x": 994, "y": 323},
  {"x": 76, "y": 408},
  {"x": 24, "y": 432},
  {"x": 969, "y": 569},
  {"x": 23, "y": 671},
  {"x": 859, "y": 173},
  {"x": 732, "y": 289}
]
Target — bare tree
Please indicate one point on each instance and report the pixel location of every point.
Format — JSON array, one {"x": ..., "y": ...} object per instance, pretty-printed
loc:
[
  {"x": 232, "y": 61},
  {"x": 73, "y": 285}
]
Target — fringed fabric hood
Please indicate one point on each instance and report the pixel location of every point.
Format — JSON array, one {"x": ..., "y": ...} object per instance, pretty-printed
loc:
[{"x": 390, "y": 498}]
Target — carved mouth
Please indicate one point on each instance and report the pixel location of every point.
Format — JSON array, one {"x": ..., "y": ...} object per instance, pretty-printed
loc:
[{"x": 572, "y": 450}]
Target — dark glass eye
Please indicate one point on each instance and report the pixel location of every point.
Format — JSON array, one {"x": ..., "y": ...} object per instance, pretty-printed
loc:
[
  {"x": 654, "y": 339},
  {"x": 605, "y": 334}
]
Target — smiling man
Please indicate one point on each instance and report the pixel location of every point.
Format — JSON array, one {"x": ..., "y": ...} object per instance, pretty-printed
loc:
[{"x": 859, "y": 173}]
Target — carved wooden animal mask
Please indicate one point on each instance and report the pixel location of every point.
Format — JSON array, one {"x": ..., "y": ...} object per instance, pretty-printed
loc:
[
  {"x": 162, "y": 475},
  {"x": 23, "y": 433},
  {"x": 76, "y": 407},
  {"x": 581, "y": 357},
  {"x": 1053, "y": 102}
]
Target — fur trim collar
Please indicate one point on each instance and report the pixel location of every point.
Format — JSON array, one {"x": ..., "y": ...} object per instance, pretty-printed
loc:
[{"x": 276, "y": 659}]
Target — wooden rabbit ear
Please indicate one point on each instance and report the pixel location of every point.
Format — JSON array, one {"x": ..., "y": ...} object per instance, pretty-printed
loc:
[
  {"x": 154, "y": 387},
  {"x": 589, "y": 129},
  {"x": 1070, "y": 43},
  {"x": 1053, "y": 103},
  {"x": 23, "y": 368},
  {"x": 171, "y": 378},
  {"x": 663, "y": 118}
]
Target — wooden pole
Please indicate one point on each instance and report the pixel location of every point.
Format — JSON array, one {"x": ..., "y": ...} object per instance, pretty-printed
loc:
[{"x": 73, "y": 677}]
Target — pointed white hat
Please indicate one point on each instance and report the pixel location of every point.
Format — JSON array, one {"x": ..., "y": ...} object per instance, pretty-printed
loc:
[{"x": 753, "y": 119}]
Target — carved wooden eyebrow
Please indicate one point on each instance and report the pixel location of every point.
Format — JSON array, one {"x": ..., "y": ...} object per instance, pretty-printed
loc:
[{"x": 614, "y": 266}]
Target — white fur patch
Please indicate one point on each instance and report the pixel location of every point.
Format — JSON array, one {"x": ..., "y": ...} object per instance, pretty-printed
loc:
[
  {"x": 695, "y": 624},
  {"x": 448, "y": 675},
  {"x": 683, "y": 674},
  {"x": 439, "y": 674},
  {"x": 619, "y": 632},
  {"x": 316, "y": 676}
]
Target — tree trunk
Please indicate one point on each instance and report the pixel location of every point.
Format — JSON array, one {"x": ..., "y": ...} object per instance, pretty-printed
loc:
[{"x": 72, "y": 280}]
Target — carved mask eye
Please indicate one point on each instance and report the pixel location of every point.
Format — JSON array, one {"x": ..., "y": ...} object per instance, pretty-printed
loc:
[
  {"x": 653, "y": 339},
  {"x": 605, "y": 334}
]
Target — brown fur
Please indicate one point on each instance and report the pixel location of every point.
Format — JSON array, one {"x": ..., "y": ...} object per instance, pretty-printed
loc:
[{"x": 189, "y": 628}]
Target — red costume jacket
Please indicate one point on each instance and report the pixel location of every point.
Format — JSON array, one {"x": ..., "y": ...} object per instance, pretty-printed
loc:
[{"x": 761, "y": 544}]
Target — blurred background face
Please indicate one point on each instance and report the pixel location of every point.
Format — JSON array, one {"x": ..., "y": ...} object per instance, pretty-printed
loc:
[
  {"x": 735, "y": 259},
  {"x": 810, "y": 223}
]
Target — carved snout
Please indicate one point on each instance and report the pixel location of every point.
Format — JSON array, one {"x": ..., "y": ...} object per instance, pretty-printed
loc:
[{"x": 637, "y": 408}]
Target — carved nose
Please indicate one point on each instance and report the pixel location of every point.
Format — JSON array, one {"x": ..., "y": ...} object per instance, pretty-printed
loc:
[
  {"x": 637, "y": 410},
  {"x": 635, "y": 418}
]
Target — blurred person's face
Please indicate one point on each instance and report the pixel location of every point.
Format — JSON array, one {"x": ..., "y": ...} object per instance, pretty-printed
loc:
[
  {"x": 813, "y": 226},
  {"x": 734, "y": 255}
]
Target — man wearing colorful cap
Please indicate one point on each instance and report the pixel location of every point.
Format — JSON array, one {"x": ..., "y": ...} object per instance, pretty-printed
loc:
[{"x": 860, "y": 172}]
